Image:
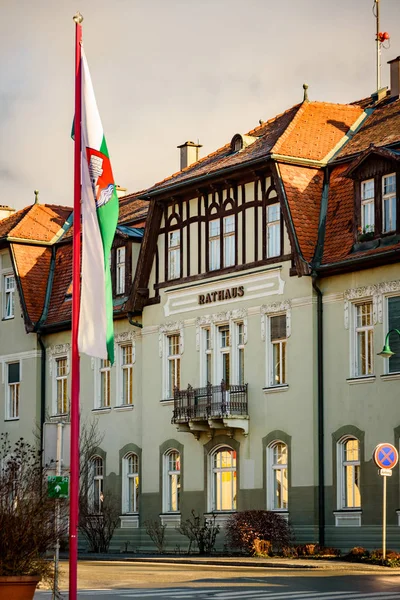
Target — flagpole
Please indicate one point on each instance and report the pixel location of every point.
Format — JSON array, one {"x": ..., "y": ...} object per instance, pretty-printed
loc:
[{"x": 76, "y": 294}]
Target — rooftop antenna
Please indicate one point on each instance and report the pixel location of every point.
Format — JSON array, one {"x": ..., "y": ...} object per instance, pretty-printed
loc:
[{"x": 381, "y": 37}]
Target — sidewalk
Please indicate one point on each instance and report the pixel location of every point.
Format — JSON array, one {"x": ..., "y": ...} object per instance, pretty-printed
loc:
[{"x": 243, "y": 562}]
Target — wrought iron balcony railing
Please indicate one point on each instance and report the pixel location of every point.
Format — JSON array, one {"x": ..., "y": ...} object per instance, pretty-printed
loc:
[{"x": 210, "y": 402}]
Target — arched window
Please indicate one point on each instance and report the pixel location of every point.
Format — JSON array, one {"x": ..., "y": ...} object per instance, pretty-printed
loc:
[
  {"x": 96, "y": 474},
  {"x": 277, "y": 476},
  {"x": 349, "y": 495},
  {"x": 223, "y": 479},
  {"x": 130, "y": 483},
  {"x": 172, "y": 481}
]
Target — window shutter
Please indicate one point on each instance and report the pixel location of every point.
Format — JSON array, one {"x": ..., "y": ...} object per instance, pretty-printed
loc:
[
  {"x": 278, "y": 327},
  {"x": 13, "y": 373},
  {"x": 394, "y": 340}
]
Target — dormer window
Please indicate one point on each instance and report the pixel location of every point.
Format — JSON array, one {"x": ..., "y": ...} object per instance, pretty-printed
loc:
[
  {"x": 367, "y": 206},
  {"x": 237, "y": 143},
  {"x": 389, "y": 203}
]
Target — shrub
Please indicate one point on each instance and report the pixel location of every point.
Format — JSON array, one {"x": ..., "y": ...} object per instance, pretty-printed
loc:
[
  {"x": 262, "y": 547},
  {"x": 99, "y": 528},
  {"x": 201, "y": 530},
  {"x": 156, "y": 532},
  {"x": 357, "y": 553},
  {"x": 243, "y": 528}
]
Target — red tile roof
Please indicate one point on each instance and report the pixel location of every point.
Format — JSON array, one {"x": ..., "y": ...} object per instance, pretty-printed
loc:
[
  {"x": 132, "y": 209},
  {"x": 303, "y": 187},
  {"x": 33, "y": 267},
  {"x": 60, "y": 309},
  {"x": 40, "y": 222}
]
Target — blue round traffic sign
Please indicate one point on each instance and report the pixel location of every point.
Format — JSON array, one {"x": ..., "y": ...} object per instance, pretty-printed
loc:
[{"x": 386, "y": 456}]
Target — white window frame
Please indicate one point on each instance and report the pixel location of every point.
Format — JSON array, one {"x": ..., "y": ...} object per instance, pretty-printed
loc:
[
  {"x": 57, "y": 378},
  {"x": 223, "y": 351},
  {"x": 387, "y": 202},
  {"x": 212, "y": 472},
  {"x": 342, "y": 465},
  {"x": 176, "y": 358},
  {"x": 214, "y": 245},
  {"x": 229, "y": 240},
  {"x": 272, "y": 227},
  {"x": 174, "y": 254},
  {"x": 272, "y": 469},
  {"x": 366, "y": 204},
  {"x": 128, "y": 369},
  {"x": 206, "y": 356},
  {"x": 129, "y": 475},
  {"x": 120, "y": 270},
  {"x": 104, "y": 375},
  {"x": 270, "y": 370},
  {"x": 96, "y": 483},
  {"x": 9, "y": 296},
  {"x": 13, "y": 394},
  {"x": 169, "y": 476},
  {"x": 355, "y": 359},
  {"x": 386, "y": 329}
]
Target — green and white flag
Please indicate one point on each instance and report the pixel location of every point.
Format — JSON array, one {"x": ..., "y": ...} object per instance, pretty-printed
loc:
[{"x": 99, "y": 221}]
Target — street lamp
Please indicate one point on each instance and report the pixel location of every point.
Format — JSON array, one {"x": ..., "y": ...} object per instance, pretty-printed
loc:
[{"x": 386, "y": 351}]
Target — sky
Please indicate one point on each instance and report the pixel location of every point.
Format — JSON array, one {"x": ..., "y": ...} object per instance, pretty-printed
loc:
[{"x": 167, "y": 71}]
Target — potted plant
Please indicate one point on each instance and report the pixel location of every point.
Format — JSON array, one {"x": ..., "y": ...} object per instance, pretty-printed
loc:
[
  {"x": 366, "y": 233},
  {"x": 27, "y": 521}
]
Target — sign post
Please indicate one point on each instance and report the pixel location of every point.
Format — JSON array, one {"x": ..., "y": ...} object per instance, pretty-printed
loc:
[{"x": 385, "y": 457}]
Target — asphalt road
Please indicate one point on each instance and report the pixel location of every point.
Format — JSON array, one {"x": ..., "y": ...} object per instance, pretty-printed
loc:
[{"x": 114, "y": 580}]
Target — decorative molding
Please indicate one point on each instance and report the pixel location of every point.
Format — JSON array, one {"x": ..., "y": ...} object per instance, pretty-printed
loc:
[
  {"x": 124, "y": 338},
  {"x": 376, "y": 292},
  {"x": 165, "y": 329},
  {"x": 277, "y": 307},
  {"x": 229, "y": 316},
  {"x": 57, "y": 350},
  {"x": 351, "y": 518}
]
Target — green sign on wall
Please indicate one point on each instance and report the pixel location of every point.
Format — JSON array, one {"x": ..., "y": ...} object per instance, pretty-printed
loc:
[{"x": 57, "y": 486}]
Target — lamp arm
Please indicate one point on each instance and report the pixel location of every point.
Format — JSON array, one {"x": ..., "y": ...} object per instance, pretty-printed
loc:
[{"x": 388, "y": 334}]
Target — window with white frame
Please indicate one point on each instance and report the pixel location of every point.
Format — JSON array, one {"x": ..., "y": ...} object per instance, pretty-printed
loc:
[
  {"x": 277, "y": 476},
  {"x": 13, "y": 389},
  {"x": 105, "y": 383},
  {"x": 223, "y": 479},
  {"x": 364, "y": 339},
  {"x": 172, "y": 481},
  {"x": 214, "y": 244},
  {"x": 96, "y": 476},
  {"x": 273, "y": 230},
  {"x": 130, "y": 483},
  {"x": 389, "y": 202},
  {"x": 61, "y": 384},
  {"x": 348, "y": 477},
  {"x": 229, "y": 240},
  {"x": 393, "y": 319},
  {"x": 173, "y": 364},
  {"x": 206, "y": 357},
  {"x": 9, "y": 296},
  {"x": 368, "y": 206},
  {"x": 120, "y": 270},
  {"x": 126, "y": 354},
  {"x": 277, "y": 350},
  {"x": 240, "y": 353},
  {"x": 174, "y": 254},
  {"x": 224, "y": 358}
]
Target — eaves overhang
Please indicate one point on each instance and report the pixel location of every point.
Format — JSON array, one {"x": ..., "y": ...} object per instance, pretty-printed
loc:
[{"x": 362, "y": 262}]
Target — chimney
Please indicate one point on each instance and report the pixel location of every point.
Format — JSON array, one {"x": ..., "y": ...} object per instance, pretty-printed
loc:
[
  {"x": 5, "y": 211},
  {"x": 189, "y": 153},
  {"x": 394, "y": 77}
]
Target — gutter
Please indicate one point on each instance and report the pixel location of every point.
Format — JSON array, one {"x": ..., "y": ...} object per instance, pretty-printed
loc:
[
  {"x": 42, "y": 389},
  {"x": 320, "y": 414},
  {"x": 130, "y": 316},
  {"x": 349, "y": 262}
]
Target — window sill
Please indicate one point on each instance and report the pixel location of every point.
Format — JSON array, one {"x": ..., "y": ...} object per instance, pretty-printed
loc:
[
  {"x": 102, "y": 411},
  {"x": 398, "y": 517},
  {"x": 130, "y": 521},
  {"x": 348, "y": 517},
  {"x": 362, "y": 379},
  {"x": 276, "y": 388},
  {"x": 8, "y": 318},
  {"x": 390, "y": 376},
  {"x": 60, "y": 416},
  {"x": 221, "y": 516},
  {"x": 167, "y": 402},
  {"x": 12, "y": 419},
  {"x": 122, "y": 407},
  {"x": 170, "y": 520}
]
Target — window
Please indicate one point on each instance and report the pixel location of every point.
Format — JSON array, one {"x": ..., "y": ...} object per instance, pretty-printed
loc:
[
  {"x": 224, "y": 353},
  {"x": 277, "y": 476},
  {"x": 229, "y": 241},
  {"x": 214, "y": 244},
  {"x": 174, "y": 255},
  {"x": 389, "y": 203},
  {"x": 96, "y": 484},
  {"x": 349, "y": 495},
  {"x": 127, "y": 372},
  {"x": 13, "y": 386},
  {"x": 173, "y": 364},
  {"x": 120, "y": 270},
  {"x": 277, "y": 350},
  {"x": 364, "y": 342},
  {"x": 393, "y": 309},
  {"x": 240, "y": 353},
  {"x": 9, "y": 292},
  {"x": 61, "y": 385},
  {"x": 273, "y": 230},
  {"x": 130, "y": 491},
  {"x": 172, "y": 481},
  {"x": 105, "y": 391},
  {"x": 206, "y": 349},
  {"x": 223, "y": 479},
  {"x": 367, "y": 206}
]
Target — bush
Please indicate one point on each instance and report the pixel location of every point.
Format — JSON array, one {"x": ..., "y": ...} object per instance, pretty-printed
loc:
[
  {"x": 357, "y": 554},
  {"x": 243, "y": 528},
  {"x": 156, "y": 533},
  {"x": 262, "y": 548},
  {"x": 201, "y": 530}
]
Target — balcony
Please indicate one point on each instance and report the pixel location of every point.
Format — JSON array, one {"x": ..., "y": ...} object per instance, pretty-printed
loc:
[{"x": 211, "y": 407}]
